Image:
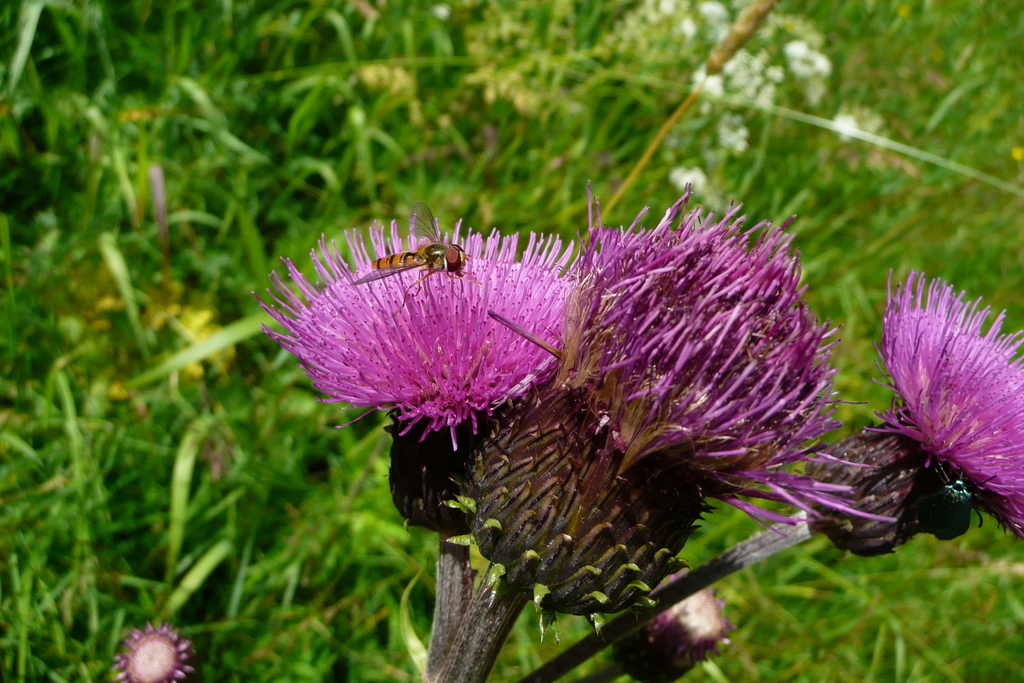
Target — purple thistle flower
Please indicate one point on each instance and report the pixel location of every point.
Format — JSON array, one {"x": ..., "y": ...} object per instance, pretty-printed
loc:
[
  {"x": 423, "y": 348},
  {"x": 153, "y": 655},
  {"x": 688, "y": 341},
  {"x": 960, "y": 391},
  {"x": 688, "y": 367}
]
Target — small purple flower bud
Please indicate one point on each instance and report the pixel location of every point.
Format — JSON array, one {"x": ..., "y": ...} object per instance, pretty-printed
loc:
[
  {"x": 673, "y": 642},
  {"x": 153, "y": 655},
  {"x": 688, "y": 367}
]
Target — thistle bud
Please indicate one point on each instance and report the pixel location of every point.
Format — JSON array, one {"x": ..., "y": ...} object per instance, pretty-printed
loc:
[
  {"x": 557, "y": 510},
  {"x": 424, "y": 475},
  {"x": 673, "y": 642},
  {"x": 887, "y": 475}
]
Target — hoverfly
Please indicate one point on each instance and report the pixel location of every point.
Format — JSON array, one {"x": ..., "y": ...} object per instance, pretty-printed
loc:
[{"x": 433, "y": 255}]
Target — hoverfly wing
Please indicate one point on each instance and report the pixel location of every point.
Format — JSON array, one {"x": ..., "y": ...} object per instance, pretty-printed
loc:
[
  {"x": 382, "y": 273},
  {"x": 423, "y": 226}
]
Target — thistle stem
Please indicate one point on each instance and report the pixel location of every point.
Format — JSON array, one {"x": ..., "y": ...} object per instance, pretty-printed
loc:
[
  {"x": 454, "y": 590},
  {"x": 749, "y": 552},
  {"x": 486, "y": 623}
]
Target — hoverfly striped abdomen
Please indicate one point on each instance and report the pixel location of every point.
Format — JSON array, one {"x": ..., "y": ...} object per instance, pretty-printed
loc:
[{"x": 407, "y": 259}]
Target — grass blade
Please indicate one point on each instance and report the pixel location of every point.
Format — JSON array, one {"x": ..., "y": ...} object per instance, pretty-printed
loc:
[
  {"x": 196, "y": 576},
  {"x": 234, "y": 333},
  {"x": 119, "y": 269},
  {"x": 5, "y": 252},
  {"x": 253, "y": 242},
  {"x": 72, "y": 428},
  {"x": 912, "y": 152},
  {"x": 21, "y": 446},
  {"x": 412, "y": 641},
  {"x": 181, "y": 483},
  {"x": 22, "y": 589},
  {"x": 236, "y": 590},
  {"x": 879, "y": 141},
  {"x": 27, "y": 23}
]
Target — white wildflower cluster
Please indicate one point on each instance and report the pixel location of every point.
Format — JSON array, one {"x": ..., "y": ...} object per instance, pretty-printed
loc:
[
  {"x": 803, "y": 49},
  {"x": 805, "y": 62},
  {"x": 846, "y": 126},
  {"x": 681, "y": 176},
  {"x": 675, "y": 36},
  {"x": 748, "y": 76},
  {"x": 660, "y": 31},
  {"x": 810, "y": 67},
  {"x": 853, "y": 119},
  {"x": 732, "y": 134},
  {"x": 716, "y": 16},
  {"x": 704, "y": 189},
  {"x": 687, "y": 28},
  {"x": 752, "y": 77}
]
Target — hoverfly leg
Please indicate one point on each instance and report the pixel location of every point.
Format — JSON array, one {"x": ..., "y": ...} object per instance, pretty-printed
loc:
[
  {"x": 464, "y": 277},
  {"x": 405, "y": 297},
  {"x": 473, "y": 280}
]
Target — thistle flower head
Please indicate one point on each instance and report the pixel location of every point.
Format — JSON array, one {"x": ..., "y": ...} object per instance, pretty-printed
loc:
[
  {"x": 422, "y": 346},
  {"x": 959, "y": 392},
  {"x": 689, "y": 343},
  {"x": 153, "y": 655},
  {"x": 688, "y": 367}
]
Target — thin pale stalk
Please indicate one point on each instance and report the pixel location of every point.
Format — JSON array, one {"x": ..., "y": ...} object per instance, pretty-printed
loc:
[
  {"x": 740, "y": 32},
  {"x": 749, "y": 552},
  {"x": 454, "y": 591},
  {"x": 653, "y": 147}
]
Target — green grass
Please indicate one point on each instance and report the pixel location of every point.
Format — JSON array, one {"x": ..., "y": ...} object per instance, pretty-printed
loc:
[{"x": 161, "y": 459}]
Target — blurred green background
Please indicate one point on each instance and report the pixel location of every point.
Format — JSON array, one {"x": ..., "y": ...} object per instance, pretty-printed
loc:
[{"x": 160, "y": 459}]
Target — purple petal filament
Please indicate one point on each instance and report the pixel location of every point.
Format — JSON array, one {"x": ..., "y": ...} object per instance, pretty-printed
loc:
[{"x": 692, "y": 339}]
